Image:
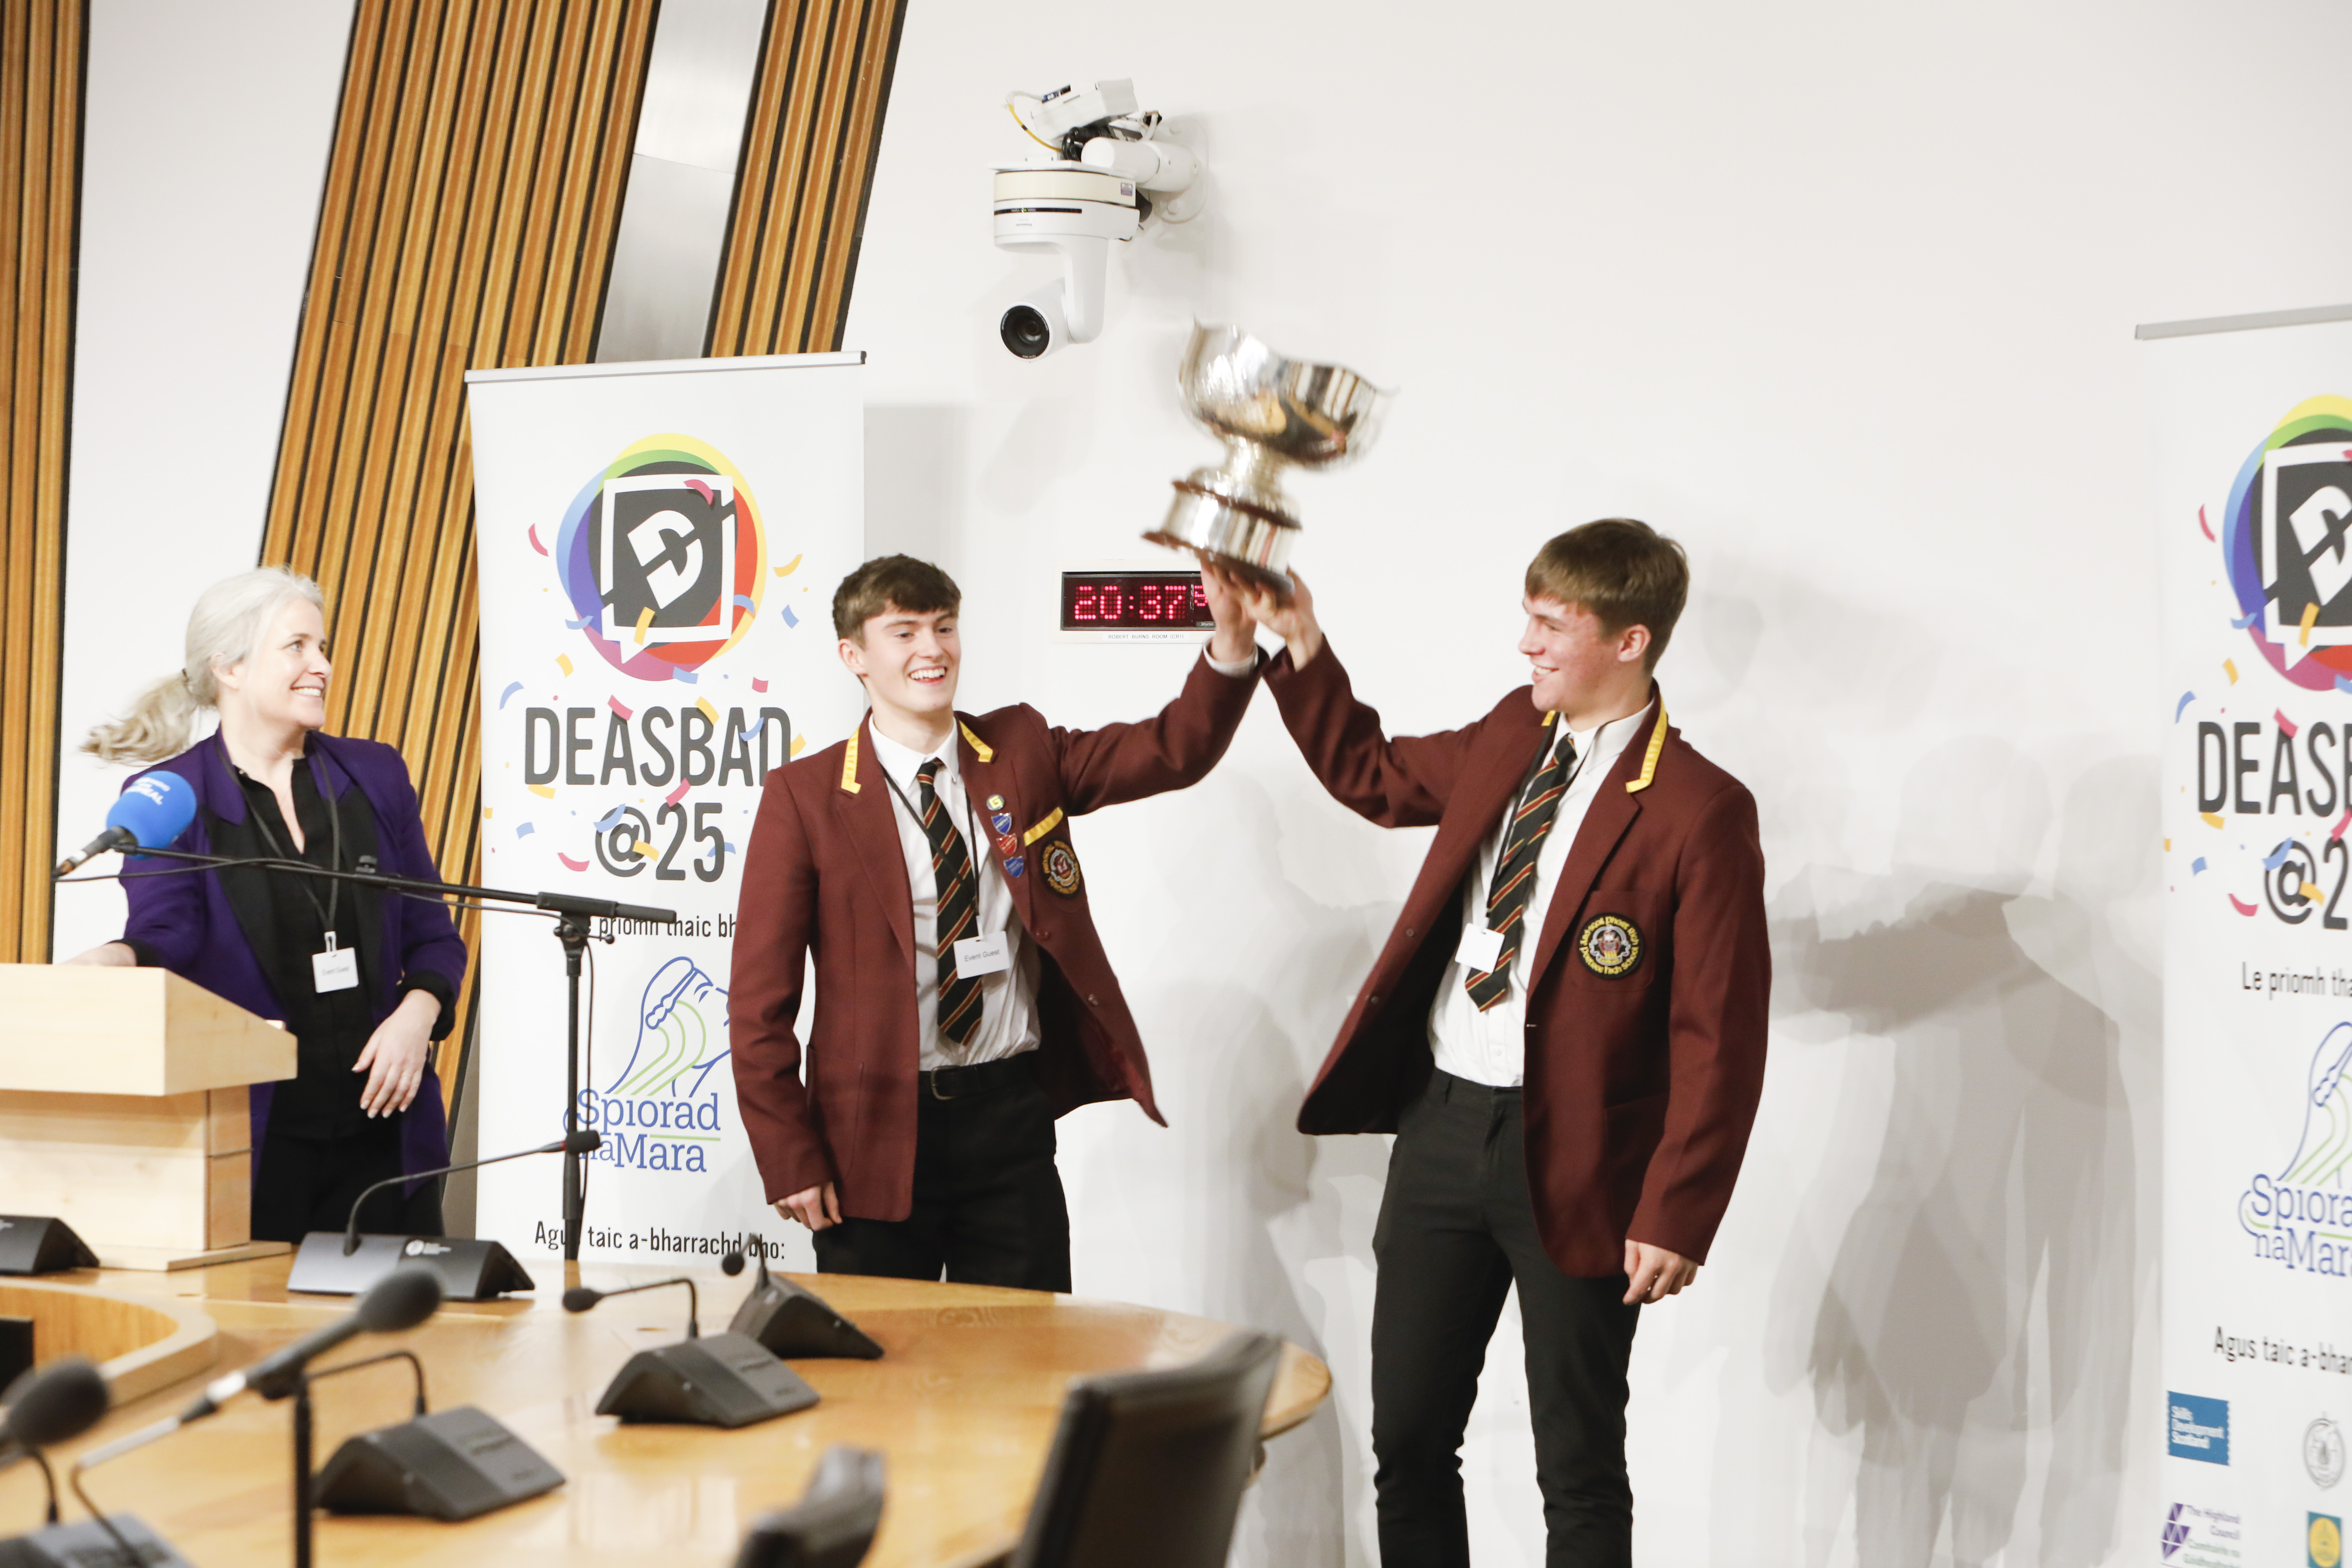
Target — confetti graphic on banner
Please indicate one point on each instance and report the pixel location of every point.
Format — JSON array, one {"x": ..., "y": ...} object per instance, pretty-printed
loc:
[
  {"x": 616, "y": 705},
  {"x": 745, "y": 600},
  {"x": 787, "y": 569},
  {"x": 2310, "y": 619},
  {"x": 2240, "y": 905},
  {"x": 2197, "y": 867},
  {"x": 563, "y": 662},
  {"x": 525, "y": 829},
  {"x": 800, "y": 744},
  {"x": 2287, "y": 726},
  {"x": 582, "y": 624},
  {"x": 2248, "y": 619},
  {"x": 569, "y": 864},
  {"x": 2277, "y": 856},
  {"x": 644, "y": 619},
  {"x": 757, "y": 684},
  {"x": 612, "y": 819},
  {"x": 535, "y": 544},
  {"x": 2229, "y": 668},
  {"x": 708, "y": 710},
  {"x": 686, "y": 677},
  {"x": 2341, "y": 824},
  {"x": 790, "y": 619},
  {"x": 2182, "y": 706},
  {"x": 542, "y": 791},
  {"x": 2205, "y": 526},
  {"x": 512, "y": 686},
  {"x": 2211, "y": 818},
  {"x": 674, "y": 797}
]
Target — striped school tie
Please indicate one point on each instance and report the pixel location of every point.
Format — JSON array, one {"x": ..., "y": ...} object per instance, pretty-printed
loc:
[
  {"x": 1515, "y": 870},
  {"x": 959, "y": 911}
]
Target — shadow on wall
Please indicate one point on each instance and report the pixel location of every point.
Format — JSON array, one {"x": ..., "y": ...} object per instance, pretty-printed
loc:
[{"x": 1983, "y": 1285}]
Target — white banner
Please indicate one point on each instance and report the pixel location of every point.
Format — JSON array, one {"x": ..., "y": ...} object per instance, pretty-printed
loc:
[
  {"x": 2253, "y": 441},
  {"x": 658, "y": 547}
]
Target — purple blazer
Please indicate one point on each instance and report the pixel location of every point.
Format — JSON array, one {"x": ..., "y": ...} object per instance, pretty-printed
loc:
[{"x": 192, "y": 926}]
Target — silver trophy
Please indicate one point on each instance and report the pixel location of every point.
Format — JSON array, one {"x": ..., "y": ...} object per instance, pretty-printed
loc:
[{"x": 1269, "y": 411}]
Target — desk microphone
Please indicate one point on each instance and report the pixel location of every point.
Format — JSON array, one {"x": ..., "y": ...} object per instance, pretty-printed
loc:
[
  {"x": 153, "y": 810},
  {"x": 580, "y": 1298},
  {"x": 791, "y": 1321},
  {"x": 55, "y": 1405},
  {"x": 400, "y": 1300},
  {"x": 584, "y": 1141},
  {"x": 726, "y": 1380}
]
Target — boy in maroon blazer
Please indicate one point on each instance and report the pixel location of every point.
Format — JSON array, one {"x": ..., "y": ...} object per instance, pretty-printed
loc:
[
  {"x": 1565, "y": 1031},
  {"x": 963, "y": 999}
]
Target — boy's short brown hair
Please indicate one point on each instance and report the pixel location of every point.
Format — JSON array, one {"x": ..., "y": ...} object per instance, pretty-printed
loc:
[
  {"x": 890, "y": 582},
  {"x": 1625, "y": 573}
]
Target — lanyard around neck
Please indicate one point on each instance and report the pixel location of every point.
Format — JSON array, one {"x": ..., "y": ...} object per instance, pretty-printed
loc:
[
  {"x": 970, "y": 824},
  {"x": 334, "y": 851}
]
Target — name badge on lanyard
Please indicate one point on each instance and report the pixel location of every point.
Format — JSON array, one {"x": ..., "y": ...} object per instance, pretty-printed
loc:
[
  {"x": 979, "y": 955},
  {"x": 1481, "y": 949},
  {"x": 337, "y": 969}
]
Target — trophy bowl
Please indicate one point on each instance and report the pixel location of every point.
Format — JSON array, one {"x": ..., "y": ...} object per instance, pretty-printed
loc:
[{"x": 1271, "y": 413}]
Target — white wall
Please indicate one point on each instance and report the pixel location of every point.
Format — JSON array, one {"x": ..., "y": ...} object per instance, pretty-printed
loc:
[
  {"x": 1842, "y": 296},
  {"x": 206, "y": 135}
]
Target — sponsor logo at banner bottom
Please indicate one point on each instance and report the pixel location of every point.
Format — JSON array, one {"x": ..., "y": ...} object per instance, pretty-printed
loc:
[
  {"x": 2196, "y": 1427},
  {"x": 2322, "y": 1452},
  {"x": 2298, "y": 1215},
  {"x": 2198, "y": 1537},
  {"x": 661, "y": 1111}
]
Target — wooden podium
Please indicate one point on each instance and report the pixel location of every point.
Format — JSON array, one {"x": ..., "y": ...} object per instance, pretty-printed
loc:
[{"x": 123, "y": 1112}]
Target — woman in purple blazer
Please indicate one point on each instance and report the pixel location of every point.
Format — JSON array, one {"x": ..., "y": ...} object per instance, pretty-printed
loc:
[{"x": 365, "y": 982}]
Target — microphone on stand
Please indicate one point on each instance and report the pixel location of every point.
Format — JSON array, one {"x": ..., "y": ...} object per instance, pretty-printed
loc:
[
  {"x": 584, "y": 1141},
  {"x": 153, "y": 810},
  {"x": 400, "y": 1301},
  {"x": 791, "y": 1321},
  {"x": 715, "y": 1380},
  {"x": 580, "y": 1298},
  {"x": 337, "y": 1263},
  {"x": 55, "y": 1405}
]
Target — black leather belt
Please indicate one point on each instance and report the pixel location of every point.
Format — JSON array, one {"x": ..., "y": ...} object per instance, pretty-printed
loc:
[{"x": 980, "y": 1077}]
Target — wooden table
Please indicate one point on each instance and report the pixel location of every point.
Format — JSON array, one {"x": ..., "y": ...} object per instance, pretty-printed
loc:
[{"x": 963, "y": 1404}]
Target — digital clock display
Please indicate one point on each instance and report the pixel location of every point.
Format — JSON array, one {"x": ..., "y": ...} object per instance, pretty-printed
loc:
[{"x": 1147, "y": 601}]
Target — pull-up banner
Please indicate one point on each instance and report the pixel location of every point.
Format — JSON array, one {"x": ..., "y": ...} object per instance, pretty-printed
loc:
[
  {"x": 2253, "y": 489},
  {"x": 657, "y": 546}
]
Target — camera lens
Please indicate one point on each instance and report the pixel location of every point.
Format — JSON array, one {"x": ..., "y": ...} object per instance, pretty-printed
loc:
[{"x": 1024, "y": 331}]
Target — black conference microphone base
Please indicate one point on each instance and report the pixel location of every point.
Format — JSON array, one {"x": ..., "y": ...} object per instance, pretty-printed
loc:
[
  {"x": 795, "y": 1322},
  {"x": 452, "y": 1465},
  {"x": 719, "y": 1380},
  {"x": 85, "y": 1544},
  {"x": 38, "y": 1244},
  {"x": 469, "y": 1270}
]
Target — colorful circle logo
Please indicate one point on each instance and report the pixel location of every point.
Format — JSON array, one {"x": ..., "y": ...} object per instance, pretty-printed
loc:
[
  {"x": 2285, "y": 538},
  {"x": 661, "y": 556}
]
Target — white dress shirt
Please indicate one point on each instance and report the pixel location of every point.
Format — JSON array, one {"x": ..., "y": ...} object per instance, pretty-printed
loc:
[
  {"x": 1490, "y": 1047},
  {"x": 1008, "y": 998}
]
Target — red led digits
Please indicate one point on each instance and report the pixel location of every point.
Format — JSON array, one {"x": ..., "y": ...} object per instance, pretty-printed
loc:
[{"x": 1143, "y": 601}]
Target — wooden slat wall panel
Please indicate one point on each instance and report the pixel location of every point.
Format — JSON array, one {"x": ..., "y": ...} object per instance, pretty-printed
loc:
[
  {"x": 41, "y": 60},
  {"x": 809, "y": 147},
  {"x": 471, "y": 197}
]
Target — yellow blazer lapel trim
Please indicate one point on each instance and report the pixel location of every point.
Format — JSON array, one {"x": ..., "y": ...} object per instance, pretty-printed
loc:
[
  {"x": 849, "y": 767},
  {"x": 1649, "y": 757},
  {"x": 979, "y": 748},
  {"x": 1053, "y": 820}
]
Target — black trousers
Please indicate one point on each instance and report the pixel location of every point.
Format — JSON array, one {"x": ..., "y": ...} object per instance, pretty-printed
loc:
[
  {"x": 1457, "y": 1230},
  {"x": 989, "y": 1209},
  {"x": 303, "y": 1184}
]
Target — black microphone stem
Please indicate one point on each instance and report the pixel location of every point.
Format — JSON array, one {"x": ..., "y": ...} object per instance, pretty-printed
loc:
[
  {"x": 351, "y": 1226},
  {"x": 409, "y": 1356},
  {"x": 73, "y": 1477},
  {"x": 554, "y": 903}
]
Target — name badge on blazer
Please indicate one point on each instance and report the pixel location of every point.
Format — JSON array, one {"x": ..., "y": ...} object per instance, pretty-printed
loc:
[{"x": 979, "y": 955}]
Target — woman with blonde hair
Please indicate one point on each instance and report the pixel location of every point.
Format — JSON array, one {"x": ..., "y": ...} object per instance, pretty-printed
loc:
[{"x": 365, "y": 983}]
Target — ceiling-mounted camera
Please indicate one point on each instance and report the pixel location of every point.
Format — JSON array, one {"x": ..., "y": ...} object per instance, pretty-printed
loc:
[{"x": 1114, "y": 174}]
